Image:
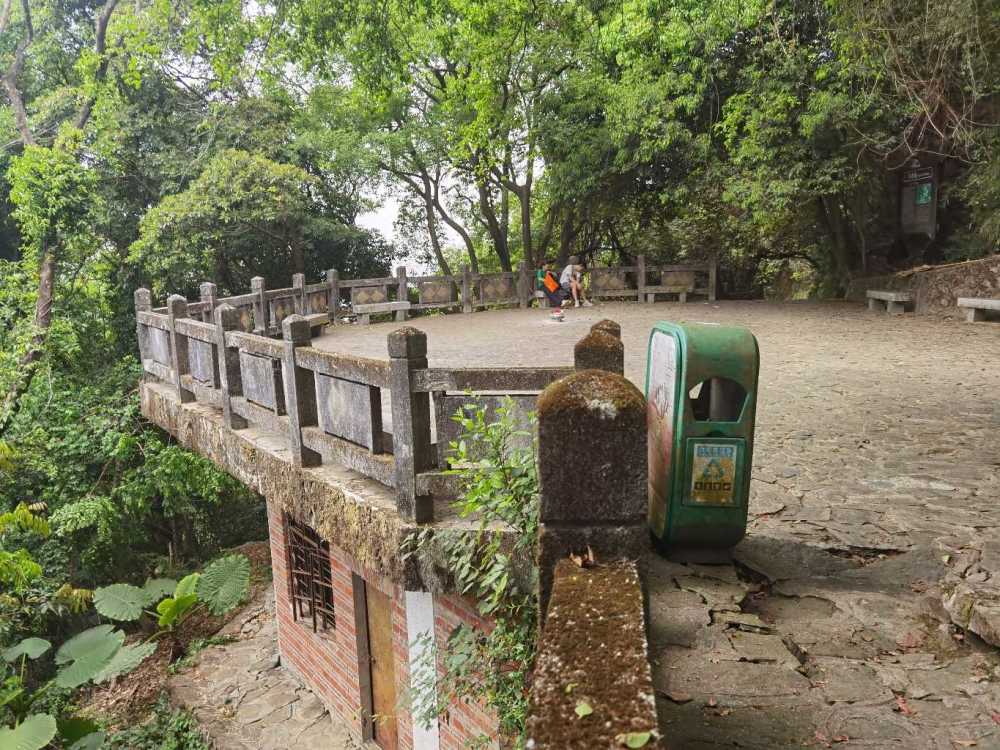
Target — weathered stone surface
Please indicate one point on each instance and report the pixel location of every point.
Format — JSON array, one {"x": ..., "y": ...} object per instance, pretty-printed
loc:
[
  {"x": 244, "y": 701},
  {"x": 159, "y": 345},
  {"x": 351, "y": 511},
  {"x": 261, "y": 377},
  {"x": 592, "y": 651},
  {"x": 202, "y": 360},
  {"x": 599, "y": 350},
  {"x": 349, "y": 410},
  {"x": 603, "y": 478}
]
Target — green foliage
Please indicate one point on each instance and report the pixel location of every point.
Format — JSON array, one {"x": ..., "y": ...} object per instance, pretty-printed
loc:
[
  {"x": 121, "y": 601},
  {"x": 169, "y": 729},
  {"x": 31, "y": 648},
  {"x": 222, "y": 586},
  {"x": 34, "y": 733},
  {"x": 499, "y": 490},
  {"x": 224, "y": 583},
  {"x": 87, "y": 654}
]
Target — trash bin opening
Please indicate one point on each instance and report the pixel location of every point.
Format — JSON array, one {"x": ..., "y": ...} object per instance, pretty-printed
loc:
[{"x": 717, "y": 400}]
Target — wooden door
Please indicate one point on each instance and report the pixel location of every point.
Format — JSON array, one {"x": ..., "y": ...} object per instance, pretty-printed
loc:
[{"x": 383, "y": 668}]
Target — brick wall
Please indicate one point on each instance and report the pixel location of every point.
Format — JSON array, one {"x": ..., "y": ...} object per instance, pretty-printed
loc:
[
  {"x": 464, "y": 718},
  {"x": 328, "y": 662}
]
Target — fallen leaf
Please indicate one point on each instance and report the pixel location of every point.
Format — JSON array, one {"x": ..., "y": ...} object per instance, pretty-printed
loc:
[
  {"x": 678, "y": 697},
  {"x": 913, "y": 639},
  {"x": 995, "y": 716},
  {"x": 569, "y": 688},
  {"x": 583, "y": 560},
  {"x": 963, "y": 743},
  {"x": 712, "y": 703},
  {"x": 634, "y": 740},
  {"x": 903, "y": 707},
  {"x": 821, "y": 738},
  {"x": 583, "y": 709},
  {"x": 840, "y": 738},
  {"x": 724, "y": 712}
]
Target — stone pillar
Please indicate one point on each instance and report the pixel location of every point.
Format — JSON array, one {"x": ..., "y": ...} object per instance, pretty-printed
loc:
[
  {"x": 299, "y": 285},
  {"x": 209, "y": 298},
  {"x": 524, "y": 286},
  {"x": 608, "y": 326},
  {"x": 300, "y": 390},
  {"x": 177, "y": 307},
  {"x": 411, "y": 422},
  {"x": 260, "y": 314},
  {"x": 333, "y": 296},
  {"x": 402, "y": 292},
  {"x": 713, "y": 278},
  {"x": 640, "y": 277},
  {"x": 227, "y": 318},
  {"x": 591, "y": 471},
  {"x": 143, "y": 303},
  {"x": 466, "y": 290},
  {"x": 599, "y": 350}
]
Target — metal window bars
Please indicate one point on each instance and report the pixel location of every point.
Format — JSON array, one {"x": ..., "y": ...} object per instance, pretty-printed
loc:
[{"x": 310, "y": 576}]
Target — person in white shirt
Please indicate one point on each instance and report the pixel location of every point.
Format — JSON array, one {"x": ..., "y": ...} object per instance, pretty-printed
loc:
[{"x": 570, "y": 281}]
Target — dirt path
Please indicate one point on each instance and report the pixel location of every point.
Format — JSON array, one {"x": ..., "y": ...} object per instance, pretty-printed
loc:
[{"x": 244, "y": 700}]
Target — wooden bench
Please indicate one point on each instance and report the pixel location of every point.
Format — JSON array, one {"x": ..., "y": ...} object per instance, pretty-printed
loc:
[
  {"x": 893, "y": 303},
  {"x": 364, "y": 312},
  {"x": 681, "y": 290},
  {"x": 975, "y": 307}
]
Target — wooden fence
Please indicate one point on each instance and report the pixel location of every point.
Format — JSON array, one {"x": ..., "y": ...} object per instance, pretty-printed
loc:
[{"x": 328, "y": 406}]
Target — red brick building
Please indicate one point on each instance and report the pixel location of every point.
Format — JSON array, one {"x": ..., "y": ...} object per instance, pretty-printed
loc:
[{"x": 353, "y": 637}]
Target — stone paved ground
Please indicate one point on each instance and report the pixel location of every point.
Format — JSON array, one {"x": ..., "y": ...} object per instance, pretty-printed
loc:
[
  {"x": 244, "y": 700},
  {"x": 850, "y": 618}
]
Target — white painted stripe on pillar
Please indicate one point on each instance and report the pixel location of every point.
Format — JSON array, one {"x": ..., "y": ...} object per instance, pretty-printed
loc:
[{"x": 419, "y": 622}]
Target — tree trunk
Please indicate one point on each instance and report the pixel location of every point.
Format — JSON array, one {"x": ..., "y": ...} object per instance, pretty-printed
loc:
[
  {"x": 28, "y": 364},
  {"x": 435, "y": 240},
  {"x": 493, "y": 227}
]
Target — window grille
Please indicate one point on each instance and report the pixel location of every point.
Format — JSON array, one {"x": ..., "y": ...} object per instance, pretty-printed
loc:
[{"x": 310, "y": 576}]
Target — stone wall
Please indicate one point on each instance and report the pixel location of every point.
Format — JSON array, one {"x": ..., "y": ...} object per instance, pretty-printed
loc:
[{"x": 936, "y": 289}]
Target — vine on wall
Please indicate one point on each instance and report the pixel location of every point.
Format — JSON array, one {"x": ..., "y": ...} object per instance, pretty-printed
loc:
[{"x": 495, "y": 566}]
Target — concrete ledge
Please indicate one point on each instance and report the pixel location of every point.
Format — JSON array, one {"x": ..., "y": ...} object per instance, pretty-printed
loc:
[
  {"x": 346, "y": 508},
  {"x": 593, "y": 651}
]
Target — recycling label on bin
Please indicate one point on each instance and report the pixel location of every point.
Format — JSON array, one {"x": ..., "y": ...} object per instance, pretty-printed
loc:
[{"x": 713, "y": 473}]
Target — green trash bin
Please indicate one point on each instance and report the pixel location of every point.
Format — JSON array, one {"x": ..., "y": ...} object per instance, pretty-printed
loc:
[{"x": 701, "y": 392}]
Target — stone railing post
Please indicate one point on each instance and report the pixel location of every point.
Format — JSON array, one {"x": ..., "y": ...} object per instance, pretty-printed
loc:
[
  {"x": 299, "y": 300},
  {"x": 600, "y": 349},
  {"x": 260, "y": 314},
  {"x": 209, "y": 298},
  {"x": 143, "y": 303},
  {"x": 177, "y": 307},
  {"x": 524, "y": 286},
  {"x": 300, "y": 390},
  {"x": 333, "y": 295},
  {"x": 402, "y": 292},
  {"x": 713, "y": 277},
  {"x": 640, "y": 277},
  {"x": 227, "y": 318},
  {"x": 466, "y": 290},
  {"x": 411, "y": 422},
  {"x": 591, "y": 471}
]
